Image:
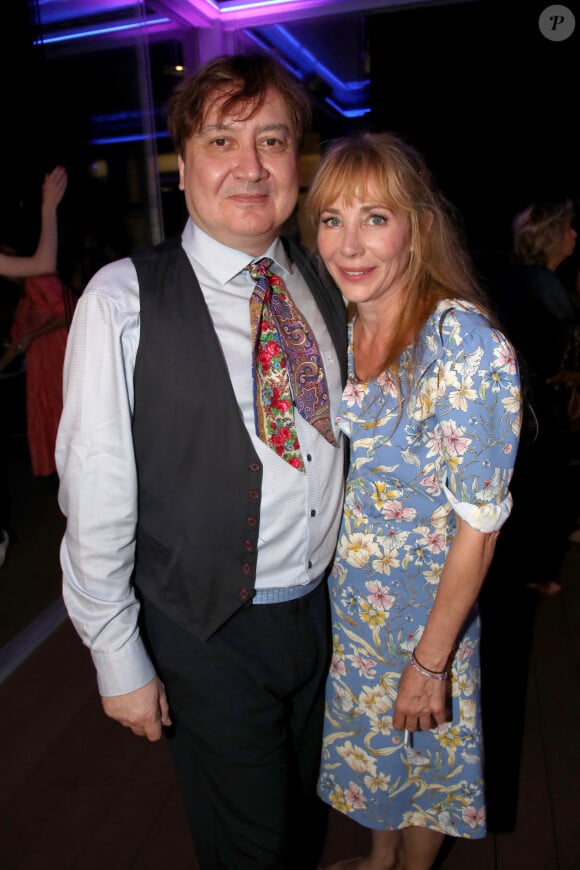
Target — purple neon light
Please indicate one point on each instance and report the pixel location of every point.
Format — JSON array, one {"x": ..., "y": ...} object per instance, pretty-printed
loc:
[{"x": 238, "y": 9}]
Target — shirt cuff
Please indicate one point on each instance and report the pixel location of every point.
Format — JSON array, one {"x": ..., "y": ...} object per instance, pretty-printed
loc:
[
  {"x": 123, "y": 671},
  {"x": 483, "y": 517}
]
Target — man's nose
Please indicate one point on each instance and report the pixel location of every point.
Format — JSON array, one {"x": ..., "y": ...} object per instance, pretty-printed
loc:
[{"x": 249, "y": 163}]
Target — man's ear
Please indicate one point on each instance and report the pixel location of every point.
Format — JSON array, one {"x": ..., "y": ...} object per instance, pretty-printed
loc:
[{"x": 181, "y": 167}]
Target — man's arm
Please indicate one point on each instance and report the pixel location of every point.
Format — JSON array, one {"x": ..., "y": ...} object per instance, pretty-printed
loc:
[{"x": 98, "y": 496}]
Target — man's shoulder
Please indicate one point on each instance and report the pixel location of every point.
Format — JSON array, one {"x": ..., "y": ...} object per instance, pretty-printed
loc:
[
  {"x": 113, "y": 281},
  {"x": 153, "y": 252}
]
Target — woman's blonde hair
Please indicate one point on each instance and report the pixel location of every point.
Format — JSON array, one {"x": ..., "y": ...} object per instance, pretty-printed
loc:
[{"x": 384, "y": 166}]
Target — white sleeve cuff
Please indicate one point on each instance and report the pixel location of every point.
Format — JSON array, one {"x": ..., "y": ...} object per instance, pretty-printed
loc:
[
  {"x": 483, "y": 517},
  {"x": 123, "y": 671}
]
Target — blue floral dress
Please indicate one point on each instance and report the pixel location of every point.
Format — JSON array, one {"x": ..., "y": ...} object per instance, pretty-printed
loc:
[{"x": 449, "y": 447}]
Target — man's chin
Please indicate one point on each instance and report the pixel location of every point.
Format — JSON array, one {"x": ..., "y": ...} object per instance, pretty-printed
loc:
[{"x": 254, "y": 227}]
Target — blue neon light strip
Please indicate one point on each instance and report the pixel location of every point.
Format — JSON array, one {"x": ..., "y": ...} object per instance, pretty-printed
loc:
[
  {"x": 347, "y": 113},
  {"x": 301, "y": 72},
  {"x": 243, "y": 7},
  {"x": 324, "y": 72},
  {"x": 101, "y": 31},
  {"x": 137, "y": 137}
]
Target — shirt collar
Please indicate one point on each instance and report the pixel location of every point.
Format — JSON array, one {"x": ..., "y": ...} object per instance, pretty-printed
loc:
[{"x": 225, "y": 263}]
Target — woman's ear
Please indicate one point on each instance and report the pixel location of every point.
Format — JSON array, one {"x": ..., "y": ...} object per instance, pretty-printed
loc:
[{"x": 428, "y": 221}]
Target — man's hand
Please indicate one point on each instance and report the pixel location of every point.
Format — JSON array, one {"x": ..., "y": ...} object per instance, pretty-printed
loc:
[{"x": 145, "y": 711}]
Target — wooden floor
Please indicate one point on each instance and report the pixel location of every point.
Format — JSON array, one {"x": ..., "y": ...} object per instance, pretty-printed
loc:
[{"x": 78, "y": 792}]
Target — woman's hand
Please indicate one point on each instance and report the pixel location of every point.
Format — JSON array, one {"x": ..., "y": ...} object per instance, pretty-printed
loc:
[
  {"x": 54, "y": 186},
  {"x": 421, "y": 702}
]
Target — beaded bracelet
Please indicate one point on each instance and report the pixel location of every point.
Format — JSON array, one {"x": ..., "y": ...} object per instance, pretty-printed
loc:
[{"x": 425, "y": 672}]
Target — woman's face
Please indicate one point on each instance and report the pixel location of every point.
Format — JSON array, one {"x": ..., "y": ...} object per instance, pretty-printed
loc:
[{"x": 365, "y": 246}]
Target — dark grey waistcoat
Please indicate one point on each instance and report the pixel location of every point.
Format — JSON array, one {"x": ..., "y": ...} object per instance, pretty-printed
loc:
[{"x": 199, "y": 478}]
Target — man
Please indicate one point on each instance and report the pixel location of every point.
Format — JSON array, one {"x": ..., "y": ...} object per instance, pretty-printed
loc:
[{"x": 195, "y": 553}]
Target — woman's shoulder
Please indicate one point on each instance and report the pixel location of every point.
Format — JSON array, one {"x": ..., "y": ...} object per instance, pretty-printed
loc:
[
  {"x": 459, "y": 323},
  {"x": 458, "y": 315}
]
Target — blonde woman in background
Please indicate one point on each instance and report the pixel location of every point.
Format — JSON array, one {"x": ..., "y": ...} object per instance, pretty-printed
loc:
[{"x": 542, "y": 316}]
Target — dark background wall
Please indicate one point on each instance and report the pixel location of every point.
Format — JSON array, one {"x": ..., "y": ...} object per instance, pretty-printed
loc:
[
  {"x": 23, "y": 130},
  {"x": 489, "y": 100},
  {"x": 475, "y": 85}
]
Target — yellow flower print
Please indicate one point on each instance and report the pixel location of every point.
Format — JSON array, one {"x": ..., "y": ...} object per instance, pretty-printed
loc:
[
  {"x": 387, "y": 561},
  {"x": 358, "y": 548},
  {"x": 468, "y": 712},
  {"x": 449, "y": 737},
  {"x": 357, "y": 758},
  {"x": 459, "y": 398},
  {"x": 338, "y": 800},
  {"x": 373, "y": 617},
  {"x": 380, "y": 782},
  {"x": 374, "y": 701}
]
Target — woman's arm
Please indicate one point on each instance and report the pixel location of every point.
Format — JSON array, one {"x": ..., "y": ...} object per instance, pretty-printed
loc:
[
  {"x": 43, "y": 261},
  {"x": 421, "y": 701},
  {"x": 466, "y": 566}
]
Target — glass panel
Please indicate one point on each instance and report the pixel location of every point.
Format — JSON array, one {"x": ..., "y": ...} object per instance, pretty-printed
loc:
[{"x": 112, "y": 64}]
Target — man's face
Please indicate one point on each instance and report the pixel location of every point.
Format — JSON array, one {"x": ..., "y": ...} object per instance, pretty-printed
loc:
[{"x": 240, "y": 177}]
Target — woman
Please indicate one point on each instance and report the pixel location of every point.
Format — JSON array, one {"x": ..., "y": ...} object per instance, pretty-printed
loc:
[
  {"x": 43, "y": 260},
  {"x": 39, "y": 330},
  {"x": 433, "y": 412}
]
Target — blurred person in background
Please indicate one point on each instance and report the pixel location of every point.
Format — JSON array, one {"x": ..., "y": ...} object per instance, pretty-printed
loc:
[
  {"x": 542, "y": 317},
  {"x": 44, "y": 387}
]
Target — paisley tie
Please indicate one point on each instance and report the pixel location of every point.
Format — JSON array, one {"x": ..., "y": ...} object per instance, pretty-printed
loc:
[{"x": 287, "y": 367}]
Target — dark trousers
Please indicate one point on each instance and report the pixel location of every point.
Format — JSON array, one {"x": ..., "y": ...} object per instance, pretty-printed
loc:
[{"x": 247, "y": 707}]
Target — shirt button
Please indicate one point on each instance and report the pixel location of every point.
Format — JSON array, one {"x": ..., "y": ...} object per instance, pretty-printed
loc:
[
  {"x": 246, "y": 568},
  {"x": 309, "y": 564},
  {"x": 313, "y": 513},
  {"x": 252, "y": 521},
  {"x": 309, "y": 457},
  {"x": 244, "y": 593},
  {"x": 254, "y": 494},
  {"x": 254, "y": 466},
  {"x": 249, "y": 546}
]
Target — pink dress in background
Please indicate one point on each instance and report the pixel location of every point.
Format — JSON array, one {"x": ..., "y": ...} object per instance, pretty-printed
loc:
[{"x": 41, "y": 302}]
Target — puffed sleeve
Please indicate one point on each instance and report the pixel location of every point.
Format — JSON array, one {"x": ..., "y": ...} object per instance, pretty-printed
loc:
[{"x": 479, "y": 417}]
